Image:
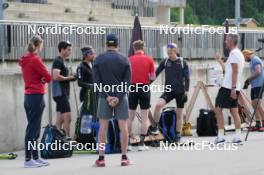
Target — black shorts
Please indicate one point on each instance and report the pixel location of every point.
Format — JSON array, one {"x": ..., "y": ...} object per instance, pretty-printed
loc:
[
  {"x": 223, "y": 99},
  {"x": 168, "y": 96},
  {"x": 255, "y": 93},
  {"x": 62, "y": 104},
  {"x": 140, "y": 97}
]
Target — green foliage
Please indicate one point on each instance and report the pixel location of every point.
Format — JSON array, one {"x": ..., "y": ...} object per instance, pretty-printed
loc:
[{"x": 214, "y": 12}]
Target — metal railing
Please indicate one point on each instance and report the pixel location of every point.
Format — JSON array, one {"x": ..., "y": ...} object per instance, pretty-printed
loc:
[{"x": 16, "y": 36}]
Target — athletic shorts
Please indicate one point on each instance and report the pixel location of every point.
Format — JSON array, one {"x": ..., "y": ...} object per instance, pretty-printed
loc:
[
  {"x": 62, "y": 104},
  {"x": 141, "y": 97},
  {"x": 168, "y": 96},
  {"x": 223, "y": 99},
  {"x": 120, "y": 112},
  {"x": 255, "y": 93}
]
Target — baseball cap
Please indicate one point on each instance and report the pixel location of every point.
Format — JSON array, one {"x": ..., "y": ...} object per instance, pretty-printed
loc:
[{"x": 111, "y": 39}]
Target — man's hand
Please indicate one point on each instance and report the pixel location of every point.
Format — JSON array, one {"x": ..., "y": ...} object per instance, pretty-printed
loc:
[
  {"x": 218, "y": 56},
  {"x": 71, "y": 78},
  {"x": 233, "y": 94},
  {"x": 112, "y": 101},
  {"x": 246, "y": 84}
]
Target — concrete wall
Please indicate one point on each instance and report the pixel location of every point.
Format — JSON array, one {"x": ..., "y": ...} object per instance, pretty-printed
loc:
[{"x": 13, "y": 120}]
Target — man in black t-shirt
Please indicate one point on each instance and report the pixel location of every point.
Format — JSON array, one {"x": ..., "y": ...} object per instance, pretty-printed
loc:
[{"x": 61, "y": 87}]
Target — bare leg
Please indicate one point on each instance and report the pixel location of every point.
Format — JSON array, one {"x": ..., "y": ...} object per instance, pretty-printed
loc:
[
  {"x": 179, "y": 119},
  {"x": 102, "y": 135},
  {"x": 219, "y": 117},
  {"x": 67, "y": 123},
  {"x": 59, "y": 121},
  {"x": 145, "y": 121},
  {"x": 124, "y": 135},
  {"x": 161, "y": 103},
  {"x": 237, "y": 121},
  {"x": 132, "y": 114}
]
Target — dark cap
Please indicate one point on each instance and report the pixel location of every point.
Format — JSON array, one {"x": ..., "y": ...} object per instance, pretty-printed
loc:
[
  {"x": 111, "y": 39},
  {"x": 64, "y": 45}
]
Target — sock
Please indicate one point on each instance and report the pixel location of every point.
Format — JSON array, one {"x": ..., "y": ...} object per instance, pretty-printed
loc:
[
  {"x": 238, "y": 133},
  {"x": 28, "y": 159},
  {"x": 221, "y": 133},
  {"x": 124, "y": 157},
  {"x": 142, "y": 138},
  {"x": 258, "y": 123},
  {"x": 101, "y": 158}
]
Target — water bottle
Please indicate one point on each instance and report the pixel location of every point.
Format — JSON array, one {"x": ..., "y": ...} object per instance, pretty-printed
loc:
[{"x": 86, "y": 124}]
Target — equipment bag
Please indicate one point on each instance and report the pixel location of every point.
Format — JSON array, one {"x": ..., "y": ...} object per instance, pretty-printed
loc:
[
  {"x": 168, "y": 124},
  {"x": 113, "y": 144},
  {"x": 84, "y": 130},
  {"x": 206, "y": 123},
  {"x": 52, "y": 136}
]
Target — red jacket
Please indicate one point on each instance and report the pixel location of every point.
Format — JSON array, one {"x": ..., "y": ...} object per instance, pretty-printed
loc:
[{"x": 35, "y": 73}]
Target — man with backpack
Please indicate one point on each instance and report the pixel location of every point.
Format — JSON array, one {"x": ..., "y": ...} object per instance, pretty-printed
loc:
[
  {"x": 110, "y": 71},
  {"x": 177, "y": 81}
]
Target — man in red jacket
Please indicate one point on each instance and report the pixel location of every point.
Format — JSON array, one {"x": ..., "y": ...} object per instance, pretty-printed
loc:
[{"x": 35, "y": 76}]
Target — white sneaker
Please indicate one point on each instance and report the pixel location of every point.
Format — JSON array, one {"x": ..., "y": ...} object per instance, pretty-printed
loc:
[
  {"x": 236, "y": 140},
  {"x": 32, "y": 164},
  {"x": 143, "y": 147},
  {"x": 219, "y": 140},
  {"x": 129, "y": 148},
  {"x": 42, "y": 162}
]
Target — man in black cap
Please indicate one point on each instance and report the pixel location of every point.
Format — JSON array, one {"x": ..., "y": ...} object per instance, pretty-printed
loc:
[
  {"x": 112, "y": 69},
  {"x": 61, "y": 87}
]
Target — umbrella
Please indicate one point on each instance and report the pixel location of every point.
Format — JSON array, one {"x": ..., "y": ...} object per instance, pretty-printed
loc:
[{"x": 136, "y": 35}]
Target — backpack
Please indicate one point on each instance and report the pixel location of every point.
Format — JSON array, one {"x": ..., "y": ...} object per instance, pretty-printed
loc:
[
  {"x": 50, "y": 136},
  {"x": 85, "y": 123},
  {"x": 206, "y": 123},
  {"x": 113, "y": 144},
  {"x": 168, "y": 124}
]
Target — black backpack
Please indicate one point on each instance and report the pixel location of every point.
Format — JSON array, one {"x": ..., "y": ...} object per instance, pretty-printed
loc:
[
  {"x": 206, "y": 123},
  {"x": 168, "y": 124},
  {"x": 113, "y": 144},
  {"x": 50, "y": 136}
]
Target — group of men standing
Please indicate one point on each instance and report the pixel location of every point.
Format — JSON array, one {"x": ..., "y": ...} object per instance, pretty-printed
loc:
[{"x": 113, "y": 69}]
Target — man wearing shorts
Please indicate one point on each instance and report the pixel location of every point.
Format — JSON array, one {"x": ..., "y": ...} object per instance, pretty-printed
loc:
[
  {"x": 227, "y": 96},
  {"x": 256, "y": 81},
  {"x": 110, "y": 70},
  {"x": 61, "y": 87},
  {"x": 143, "y": 71},
  {"x": 177, "y": 80}
]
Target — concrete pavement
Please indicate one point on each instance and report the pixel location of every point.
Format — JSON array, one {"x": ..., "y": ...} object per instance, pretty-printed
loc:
[{"x": 246, "y": 160}]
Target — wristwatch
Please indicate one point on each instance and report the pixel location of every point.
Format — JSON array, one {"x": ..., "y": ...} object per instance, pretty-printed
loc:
[{"x": 233, "y": 87}]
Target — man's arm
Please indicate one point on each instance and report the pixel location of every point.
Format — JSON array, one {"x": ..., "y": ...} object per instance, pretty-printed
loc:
[
  {"x": 256, "y": 73},
  {"x": 220, "y": 61},
  {"x": 234, "y": 74},
  {"x": 186, "y": 72},
  {"x": 152, "y": 74},
  {"x": 127, "y": 80},
  {"x": 58, "y": 77},
  {"x": 160, "y": 67}
]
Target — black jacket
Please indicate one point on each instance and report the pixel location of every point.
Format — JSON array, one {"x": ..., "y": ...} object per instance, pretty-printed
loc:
[
  {"x": 84, "y": 77},
  {"x": 177, "y": 74}
]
